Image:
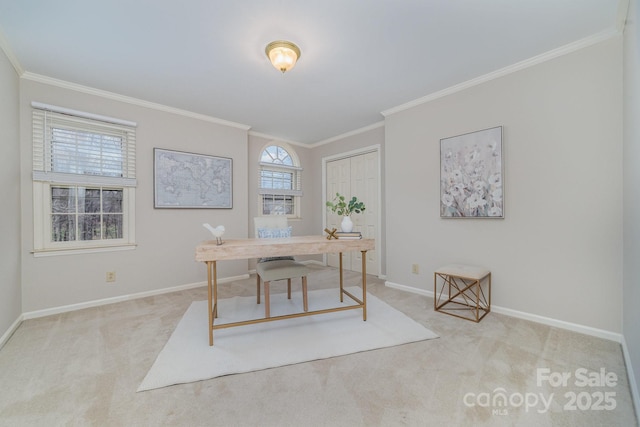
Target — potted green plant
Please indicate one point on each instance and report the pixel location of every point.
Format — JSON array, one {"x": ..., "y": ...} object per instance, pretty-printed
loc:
[{"x": 344, "y": 208}]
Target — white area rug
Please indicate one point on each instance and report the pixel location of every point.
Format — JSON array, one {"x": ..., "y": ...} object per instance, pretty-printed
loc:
[{"x": 188, "y": 357}]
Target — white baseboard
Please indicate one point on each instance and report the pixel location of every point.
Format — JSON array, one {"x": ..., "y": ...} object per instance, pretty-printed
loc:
[
  {"x": 587, "y": 330},
  {"x": 411, "y": 289},
  {"x": 635, "y": 393},
  {"x": 5, "y": 337},
  {"x": 575, "y": 327},
  {"x": 105, "y": 301},
  {"x": 631, "y": 378}
]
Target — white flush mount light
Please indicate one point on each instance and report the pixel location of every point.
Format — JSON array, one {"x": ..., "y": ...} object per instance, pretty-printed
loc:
[{"x": 283, "y": 54}]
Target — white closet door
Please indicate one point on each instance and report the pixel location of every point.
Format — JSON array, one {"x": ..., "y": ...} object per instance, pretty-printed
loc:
[
  {"x": 359, "y": 189},
  {"x": 357, "y": 175},
  {"x": 338, "y": 181},
  {"x": 370, "y": 215}
]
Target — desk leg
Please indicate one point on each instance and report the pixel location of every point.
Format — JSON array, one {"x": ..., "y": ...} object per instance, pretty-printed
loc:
[
  {"x": 215, "y": 291},
  {"x": 341, "y": 282},
  {"x": 210, "y": 304},
  {"x": 364, "y": 285},
  {"x": 212, "y": 295}
]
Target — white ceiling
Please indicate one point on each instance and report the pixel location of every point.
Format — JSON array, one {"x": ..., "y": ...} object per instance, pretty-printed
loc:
[{"x": 359, "y": 57}]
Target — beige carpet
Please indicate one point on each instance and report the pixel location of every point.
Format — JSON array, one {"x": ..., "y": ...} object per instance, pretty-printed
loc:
[
  {"x": 188, "y": 357},
  {"x": 83, "y": 369}
]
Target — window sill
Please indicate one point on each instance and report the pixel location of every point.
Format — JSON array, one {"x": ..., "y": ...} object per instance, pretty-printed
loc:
[{"x": 89, "y": 250}]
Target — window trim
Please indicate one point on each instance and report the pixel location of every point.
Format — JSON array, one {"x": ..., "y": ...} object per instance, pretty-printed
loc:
[
  {"x": 297, "y": 179},
  {"x": 42, "y": 226},
  {"x": 44, "y": 179},
  {"x": 282, "y": 168}
]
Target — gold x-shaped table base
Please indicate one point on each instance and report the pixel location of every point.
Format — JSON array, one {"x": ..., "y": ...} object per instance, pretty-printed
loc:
[{"x": 459, "y": 294}]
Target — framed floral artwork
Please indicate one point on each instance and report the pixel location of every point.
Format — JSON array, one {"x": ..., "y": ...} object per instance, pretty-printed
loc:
[{"x": 471, "y": 171}]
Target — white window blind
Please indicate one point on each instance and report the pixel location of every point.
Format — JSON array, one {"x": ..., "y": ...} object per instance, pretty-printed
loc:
[
  {"x": 280, "y": 187},
  {"x": 71, "y": 149},
  {"x": 280, "y": 180}
]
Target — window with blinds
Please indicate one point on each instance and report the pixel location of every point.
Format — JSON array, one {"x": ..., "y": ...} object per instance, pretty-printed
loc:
[
  {"x": 84, "y": 180},
  {"x": 280, "y": 186},
  {"x": 75, "y": 149}
]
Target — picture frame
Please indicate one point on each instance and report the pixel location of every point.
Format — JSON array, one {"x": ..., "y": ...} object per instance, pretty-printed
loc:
[
  {"x": 471, "y": 175},
  {"x": 192, "y": 181}
]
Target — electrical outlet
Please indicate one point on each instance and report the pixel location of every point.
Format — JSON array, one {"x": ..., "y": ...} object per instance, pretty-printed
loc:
[
  {"x": 415, "y": 269},
  {"x": 111, "y": 276}
]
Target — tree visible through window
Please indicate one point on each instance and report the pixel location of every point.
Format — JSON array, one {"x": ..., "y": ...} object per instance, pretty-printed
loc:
[
  {"x": 84, "y": 174},
  {"x": 280, "y": 188},
  {"x": 79, "y": 213}
]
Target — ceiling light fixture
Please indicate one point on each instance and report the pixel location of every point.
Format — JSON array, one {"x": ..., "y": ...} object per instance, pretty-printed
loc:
[{"x": 283, "y": 54}]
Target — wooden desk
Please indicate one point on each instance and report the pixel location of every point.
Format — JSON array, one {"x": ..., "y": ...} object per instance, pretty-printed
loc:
[{"x": 209, "y": 253}]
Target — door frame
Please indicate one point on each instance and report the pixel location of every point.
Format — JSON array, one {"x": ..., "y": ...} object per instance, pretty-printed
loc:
[{"x": 345, "y": 155}]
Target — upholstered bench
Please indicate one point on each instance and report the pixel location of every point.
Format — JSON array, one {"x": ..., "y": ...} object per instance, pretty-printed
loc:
[{"x": 463, "y": 291}]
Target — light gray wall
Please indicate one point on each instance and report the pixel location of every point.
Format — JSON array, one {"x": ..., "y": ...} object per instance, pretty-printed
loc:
[
  {"x": 631, "y": 291},
  {"x": 563, "y": 227},
  {"x": 558, "y": 251},
  {"x": 10, "y": 290},
  {"x": 166, "y": 237}
]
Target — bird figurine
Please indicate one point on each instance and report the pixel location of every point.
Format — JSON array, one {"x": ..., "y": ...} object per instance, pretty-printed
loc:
[{"x": 216, "y": 231}]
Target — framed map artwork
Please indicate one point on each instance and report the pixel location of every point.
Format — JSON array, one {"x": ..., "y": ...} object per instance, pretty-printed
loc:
[{"x": 187, "y": 180}]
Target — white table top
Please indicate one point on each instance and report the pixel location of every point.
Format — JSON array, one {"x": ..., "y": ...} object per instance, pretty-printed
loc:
[{"x": 464, "y": 271}]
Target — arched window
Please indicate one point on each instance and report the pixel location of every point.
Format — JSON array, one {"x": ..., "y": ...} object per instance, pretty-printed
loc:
[{"x": 279, "y": 189}]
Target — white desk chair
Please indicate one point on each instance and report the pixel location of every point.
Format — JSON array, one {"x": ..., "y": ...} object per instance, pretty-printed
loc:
[{"x": 277, "y": 268}]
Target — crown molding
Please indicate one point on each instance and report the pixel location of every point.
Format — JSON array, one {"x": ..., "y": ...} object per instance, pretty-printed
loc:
[
  {"x": 623, "y": 12},
  {"x": 277, "y": 139},
  {"x": 563, "y": 50},
  {"x": 348, "y": 134},
  {"x": 4, "y": 46},
  {"x": 324, "y": 141},
  {"x": 129, "y": 100}
]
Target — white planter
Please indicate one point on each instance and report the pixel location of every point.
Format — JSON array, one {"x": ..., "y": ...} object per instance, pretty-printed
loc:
[{"x": 346, "y": 225}]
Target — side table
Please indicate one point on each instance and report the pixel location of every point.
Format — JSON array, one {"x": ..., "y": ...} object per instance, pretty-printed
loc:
[{"x": 463, "y": 291}]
